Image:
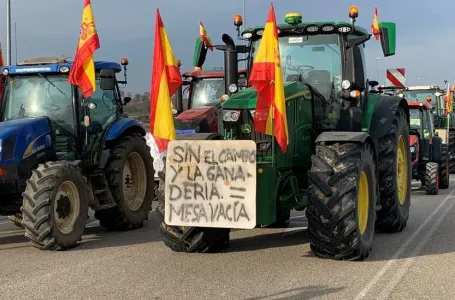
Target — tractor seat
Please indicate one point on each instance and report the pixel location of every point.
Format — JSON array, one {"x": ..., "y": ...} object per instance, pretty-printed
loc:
[{"x": 320, "y": 80}]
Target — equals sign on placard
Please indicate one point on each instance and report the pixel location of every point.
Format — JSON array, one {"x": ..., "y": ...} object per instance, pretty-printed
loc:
[{"x": 236, "y": 189}]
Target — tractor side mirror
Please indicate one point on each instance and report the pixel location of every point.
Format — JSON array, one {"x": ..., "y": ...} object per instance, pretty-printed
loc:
[
  {"x": 387, "y": 31},
  {"x": 107, "y": 79},
  {"x": 126, "y": 100}
]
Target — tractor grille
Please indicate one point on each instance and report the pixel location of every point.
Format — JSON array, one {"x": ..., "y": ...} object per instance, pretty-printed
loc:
[{"x": 237, "y": 131}]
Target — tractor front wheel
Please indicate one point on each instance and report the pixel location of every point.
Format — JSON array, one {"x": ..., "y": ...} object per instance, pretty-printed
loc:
[
  {"x": 432, "y": 178},
  {"x": 444, "y": 168},
  {"x": 452, "y": 151},
  {"x": 55, "y": 206},
  {"x": 188, "y": 239},
  {"x": 130, "y": 176},
  {"x": 395, "y": 174},
  {"x": 342, "y": 198}
]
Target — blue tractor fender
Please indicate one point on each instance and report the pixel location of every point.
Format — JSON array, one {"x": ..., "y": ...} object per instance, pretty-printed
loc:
[{"x": 121, "y": 126}]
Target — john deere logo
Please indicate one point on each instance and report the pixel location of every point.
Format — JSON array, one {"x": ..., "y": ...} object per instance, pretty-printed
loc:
[{"x": 246, "y": 128}]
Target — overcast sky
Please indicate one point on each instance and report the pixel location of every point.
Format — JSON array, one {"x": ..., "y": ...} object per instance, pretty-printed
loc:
[{"x": 425, "y": 43}]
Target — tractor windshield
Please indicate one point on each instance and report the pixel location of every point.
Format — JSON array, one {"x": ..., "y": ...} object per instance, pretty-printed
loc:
[
  {"x": 317, "y": 58},
  {"x": 207, "y": 92},
  {"x": 38, "y": 95},
  {"x": 419, "y": 95}
]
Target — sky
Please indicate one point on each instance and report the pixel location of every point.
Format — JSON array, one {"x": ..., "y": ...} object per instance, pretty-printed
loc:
[{"x": 425, "y": 31}]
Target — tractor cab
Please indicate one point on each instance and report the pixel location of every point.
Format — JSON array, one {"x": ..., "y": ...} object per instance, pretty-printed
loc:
[
  {"x": 202, "y": 91},
  {"x": 429, "y": 154},
  {"x": 431, "y": 94},
  {"x": 37, "y": 93}
]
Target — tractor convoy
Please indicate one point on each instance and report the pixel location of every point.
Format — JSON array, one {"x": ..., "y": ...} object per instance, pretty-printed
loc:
[
  {"x": 348, "y": 158},
  {"x": 353, "y": 146}
]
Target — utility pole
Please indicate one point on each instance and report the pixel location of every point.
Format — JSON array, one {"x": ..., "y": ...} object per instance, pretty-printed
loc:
[{"x": 8, "y": 32}]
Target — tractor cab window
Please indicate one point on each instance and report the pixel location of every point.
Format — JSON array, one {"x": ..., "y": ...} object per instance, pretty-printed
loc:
[
  {"x": 106, "y": 107},
  {"x": 316, "y": 61},
  {"x": 39, "y": 96},
  {"x": 419, "y": 96},
  {"x": 207, "y": 92},
  {"x": 419, "y": 121}
]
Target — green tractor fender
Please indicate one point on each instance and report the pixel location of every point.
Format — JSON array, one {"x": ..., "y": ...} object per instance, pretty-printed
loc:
[
  {"x": 380, "y": 113},
  {"x": 347, "y": 136}
]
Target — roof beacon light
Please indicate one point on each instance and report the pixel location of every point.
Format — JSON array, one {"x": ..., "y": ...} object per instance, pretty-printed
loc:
[
  {"x": 353, "y": 12},
  {"x": 124, "y": 62},
  {"x": 238, "y": 20},
  {"x": 293, "y": 18}
]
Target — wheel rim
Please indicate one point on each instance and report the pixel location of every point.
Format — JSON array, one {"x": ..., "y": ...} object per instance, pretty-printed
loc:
[
  {"x": 363, "y": 199},
  {"x": 134, "y": 181},
  {"x": 67, "y": 205},
  {"x": 402, "y": 171}
]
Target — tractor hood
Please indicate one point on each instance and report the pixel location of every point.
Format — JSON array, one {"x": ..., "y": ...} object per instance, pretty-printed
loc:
[
  {"x": 24, "y": 137},
  {"x": 195, "y": 113},
  {"x": 247, "y": 98}
]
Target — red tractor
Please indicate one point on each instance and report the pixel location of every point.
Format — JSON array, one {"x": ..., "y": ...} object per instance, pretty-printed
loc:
[
  {"x": 429, "y": 155},
  {"x": 197, "y": 109}
]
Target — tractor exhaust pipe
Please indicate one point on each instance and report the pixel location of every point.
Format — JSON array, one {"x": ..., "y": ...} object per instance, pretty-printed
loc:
[{"x": 231, "y": 72}]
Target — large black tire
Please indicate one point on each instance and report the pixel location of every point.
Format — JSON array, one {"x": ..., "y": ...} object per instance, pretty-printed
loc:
[
  {"x": 189, "y": 239},
  {"x": 334, "y": 201},
  {"x": 55, "y": 191},
  {"x": 131, "y": 149},
  {"x": 432, "y": 178},
  {"x": 444, "y": 174},
  {"x": 394, "y": 214},
  {"x": 452, "y": 151}
]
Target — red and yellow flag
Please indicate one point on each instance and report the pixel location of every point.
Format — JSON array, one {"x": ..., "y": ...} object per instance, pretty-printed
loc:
[
  {"x": 375, "y": 25},
  {"x": 82, "y": 72},
  {"x": 2, "y": 77},
  {"x": 266, "y": 77},
  {"x": 166, "y": 79},
  {"x": 205, "y": 36},
  {"x": 449, "y": 103}
]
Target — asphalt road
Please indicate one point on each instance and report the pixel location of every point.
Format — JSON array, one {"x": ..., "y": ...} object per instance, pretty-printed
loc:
[{"x": 418, "y": 263}]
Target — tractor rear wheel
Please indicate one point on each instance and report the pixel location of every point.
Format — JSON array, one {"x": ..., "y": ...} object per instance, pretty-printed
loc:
[
  {"x": 55, "y": 206},
  {"x": 188, "y": 239},
  {"x": 130, "y": 175},
  {"x": 395, "y": 175},
  {"x": 452, "y": 151},
  {"x": 432, "y": 178},
  {"x": 341, "y": 201},
  {"x": 444, "y": 169}
]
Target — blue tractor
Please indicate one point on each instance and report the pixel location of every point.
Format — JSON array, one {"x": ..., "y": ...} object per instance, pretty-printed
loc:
[{"x": 61, "y": 154}]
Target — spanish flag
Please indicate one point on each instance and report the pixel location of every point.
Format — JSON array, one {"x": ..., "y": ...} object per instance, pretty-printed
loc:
[
  {"x": 375, "y": 25},
  {"x": 266, "y": 77},
  {"x": 449, "y": 103},
  {"x": 205, "y": 36},
  {"x": 166, "y": 79},
  {"x": 2, "y": 77},
  {"x": 82, "y": 72}
]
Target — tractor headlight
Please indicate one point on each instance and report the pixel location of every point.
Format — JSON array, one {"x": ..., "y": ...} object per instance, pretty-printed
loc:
[
  {"x": 64, "y": 69},
  {"x": 412, "y": 149},
  {"x": 231, "y": 115},
  {"x": 247, "y": 35},
  {"x": 233, "y": 88},
  {"x": 5, "y": 71}
]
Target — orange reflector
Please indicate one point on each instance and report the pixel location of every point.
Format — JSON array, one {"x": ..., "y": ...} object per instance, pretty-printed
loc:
[
  {"x": 260, "y": 171},
  {"x": 354, "y": 94}
]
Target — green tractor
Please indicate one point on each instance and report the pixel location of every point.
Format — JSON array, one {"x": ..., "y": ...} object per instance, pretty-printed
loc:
[
  {"x": 444, "y": 125},
  {"x": 347, "y": 163}
]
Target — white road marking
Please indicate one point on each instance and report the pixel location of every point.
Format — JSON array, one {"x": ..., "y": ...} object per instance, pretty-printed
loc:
[
  {"x": 408, "y": 261},
  {"x": 403, "y": 248}
]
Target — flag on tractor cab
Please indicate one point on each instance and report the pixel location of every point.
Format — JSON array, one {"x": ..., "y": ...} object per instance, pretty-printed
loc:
[
  {"x": 449, "y": 103},
  {"x": 2, "y": 77},
  {"x": 166, "y": 79},
  {"x": 205, "y": 36},
  {"x": 266, "y": 77},
  {"x": 82, "y": 72},
  {"x": 375, "y": 25}
]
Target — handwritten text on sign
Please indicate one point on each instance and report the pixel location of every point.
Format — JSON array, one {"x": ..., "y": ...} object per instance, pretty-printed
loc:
[{"x": 211, "y": 184}]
